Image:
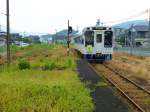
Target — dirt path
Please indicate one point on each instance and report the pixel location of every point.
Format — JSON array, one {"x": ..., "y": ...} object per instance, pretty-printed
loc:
[{"x": 103, "y": 96}]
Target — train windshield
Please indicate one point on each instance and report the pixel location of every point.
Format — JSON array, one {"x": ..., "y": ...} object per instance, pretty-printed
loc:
[
  {"x": 108, "y": 39},
  {"x": 89, "y": 38}
]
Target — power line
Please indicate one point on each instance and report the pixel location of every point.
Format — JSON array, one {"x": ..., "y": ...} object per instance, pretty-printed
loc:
[
  {"x": 130, "y": 17},
  {"x": 3, "y": 13}
]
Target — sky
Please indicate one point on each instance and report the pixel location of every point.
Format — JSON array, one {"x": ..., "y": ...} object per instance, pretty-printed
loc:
[{"x": 49, "y": 16}]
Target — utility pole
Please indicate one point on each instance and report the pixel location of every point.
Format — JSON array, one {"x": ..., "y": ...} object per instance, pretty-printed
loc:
[
  {"x": 149, "y": 28},
  {"x": 8, "y": 33},
  {"x": 68, "y": 42},
  {"x": 149, "y": 21},
  {"x": 0, "y": 28},
  {"x": 130, "y": 34}
]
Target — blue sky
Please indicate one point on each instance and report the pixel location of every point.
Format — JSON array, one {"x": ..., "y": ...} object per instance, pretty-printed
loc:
[{"x": 51, "y": 15}]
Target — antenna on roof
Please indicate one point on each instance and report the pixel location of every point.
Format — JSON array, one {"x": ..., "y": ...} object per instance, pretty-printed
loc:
[{"x": 98, "y": 22}]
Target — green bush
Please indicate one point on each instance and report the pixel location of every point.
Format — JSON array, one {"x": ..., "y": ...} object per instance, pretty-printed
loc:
[
  {"x": 23, "y": 64},
  {"x": 49, "y": 65},
  {"x": 69, "y": 63}
]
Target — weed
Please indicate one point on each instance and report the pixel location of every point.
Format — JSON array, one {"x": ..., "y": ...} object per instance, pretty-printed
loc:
[
  {"x": 37, "y": 90},
  {"x": 101, "y": 84},
  {"x": 147, "y": 101},
  {"x": 42, "y": 90},
  {"x": 69, "y": 63},
  {"x": 49, "y": 65},
  {"x": 23, "y": 64}
]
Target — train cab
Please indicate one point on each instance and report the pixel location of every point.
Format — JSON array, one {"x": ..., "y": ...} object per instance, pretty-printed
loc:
[{"x": 96, "y": 43}]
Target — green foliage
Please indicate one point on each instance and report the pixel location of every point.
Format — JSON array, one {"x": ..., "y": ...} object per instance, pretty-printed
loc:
[
  {"x": 50, "y": 85},
  {"x": 101, "y": 84},
  {"x": 2, "y": 49},
  {"x": 121, "y": 40},
  {"x": 14, "y": 48},
  {"x": 147, "y": 101},
  {"x": 49, "y": 65},
  {"x": 43, "y": 91},
  {"x": 69, "y": 63},
  {"x": 33, "y": 47},
  {"x": 23, "y": 64},
  {"x": 26, "y": 40}
]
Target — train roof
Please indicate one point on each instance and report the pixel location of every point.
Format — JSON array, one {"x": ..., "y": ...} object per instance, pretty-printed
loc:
[{"x": 98, "y": 28}]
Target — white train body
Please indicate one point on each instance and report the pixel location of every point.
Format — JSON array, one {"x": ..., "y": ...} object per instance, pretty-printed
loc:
[{"x": 95, "y": 43}]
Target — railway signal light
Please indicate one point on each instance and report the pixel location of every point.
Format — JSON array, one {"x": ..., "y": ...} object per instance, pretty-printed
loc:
[{"x": 69, "y": 29}]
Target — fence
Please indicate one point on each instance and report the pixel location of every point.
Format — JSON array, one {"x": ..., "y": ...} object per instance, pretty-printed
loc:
[{"x": 139, "y": 51}]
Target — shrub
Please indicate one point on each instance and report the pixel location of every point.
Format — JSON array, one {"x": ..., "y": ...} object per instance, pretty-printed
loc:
[
  {"x": 23, "y": 64},
  {"x": 69, "y": 63},
  {"x": 49, "y": 66}
]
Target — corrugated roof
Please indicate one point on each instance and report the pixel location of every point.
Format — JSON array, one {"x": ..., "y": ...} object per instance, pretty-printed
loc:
[{"x": 141, "y": 28}]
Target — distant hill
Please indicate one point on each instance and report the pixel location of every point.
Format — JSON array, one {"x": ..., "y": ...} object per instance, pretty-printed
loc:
[
  {"x": 128, "y": 24},
  {"x": 3, "y": 29},
  {"x": 65, "y": 32},
  {"x": 32, "y": 33}
]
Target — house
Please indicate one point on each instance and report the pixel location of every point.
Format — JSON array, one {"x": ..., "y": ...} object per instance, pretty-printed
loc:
[
  {"x": 2, "y": 42},
  {"x": 118, "y": 32},
  {"x": 46, "y": 39},
  {"x": 2, "y": 38},
  {"x": 35, "y": 39},
  {"x": 141, "y": 31},
  {"x": 140, "y": 35},
  {"x": 15, "y": 37}
]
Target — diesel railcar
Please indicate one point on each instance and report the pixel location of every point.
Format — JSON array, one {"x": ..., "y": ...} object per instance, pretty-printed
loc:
[{"x": 95, "y": 43}]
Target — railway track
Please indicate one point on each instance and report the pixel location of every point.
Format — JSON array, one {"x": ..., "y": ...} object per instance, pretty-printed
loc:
[{"x": 136, "y": 94}]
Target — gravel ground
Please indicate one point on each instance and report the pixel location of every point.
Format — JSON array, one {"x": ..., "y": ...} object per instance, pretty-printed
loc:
[{"x": 104, "y": 98}]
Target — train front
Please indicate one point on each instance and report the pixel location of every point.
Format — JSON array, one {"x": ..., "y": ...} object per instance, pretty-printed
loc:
[{"x": 98, "y": 43}]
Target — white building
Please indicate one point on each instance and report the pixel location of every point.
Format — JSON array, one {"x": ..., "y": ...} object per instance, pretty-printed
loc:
[
  {"x": 2, "y": 42},
  {"x": 46, "y": 39}
]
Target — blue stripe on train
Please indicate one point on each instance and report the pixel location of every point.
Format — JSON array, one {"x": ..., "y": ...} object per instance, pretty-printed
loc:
[{"x": 102, "y": 57}]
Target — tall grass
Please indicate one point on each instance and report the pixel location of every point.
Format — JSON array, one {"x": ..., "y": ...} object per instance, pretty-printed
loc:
[
  {"x": 15, "y": 48},
  {"x": 56, "y": 89},
  {"x": 2, "y": 49},
  {"x": 43, "y": 91}
]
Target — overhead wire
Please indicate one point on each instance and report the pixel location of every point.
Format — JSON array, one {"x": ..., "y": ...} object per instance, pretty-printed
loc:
[{"x": 128, "y": 18}]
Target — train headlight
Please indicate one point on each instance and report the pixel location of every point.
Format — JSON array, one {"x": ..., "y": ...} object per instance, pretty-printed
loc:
[{"x": 98, "y": 54}]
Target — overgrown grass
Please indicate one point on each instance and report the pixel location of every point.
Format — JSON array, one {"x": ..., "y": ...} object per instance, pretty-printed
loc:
[
  {"x": 54, "y": 89},
  {"x": 101, "y": 84},
  {"x": 2, "y": 49},
  {"x": 43, "y": 91}
]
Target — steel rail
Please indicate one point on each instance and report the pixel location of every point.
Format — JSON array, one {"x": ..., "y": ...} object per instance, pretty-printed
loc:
[
  {"x": 122, "y": 92},
  {"x": 137, "y": 85}
]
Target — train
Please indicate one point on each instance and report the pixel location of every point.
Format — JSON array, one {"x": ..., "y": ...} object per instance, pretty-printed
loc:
[{"x": 95, "y": 43}]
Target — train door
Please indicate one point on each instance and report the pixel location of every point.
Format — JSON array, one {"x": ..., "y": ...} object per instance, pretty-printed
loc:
[{"x": 98, "y": 42}]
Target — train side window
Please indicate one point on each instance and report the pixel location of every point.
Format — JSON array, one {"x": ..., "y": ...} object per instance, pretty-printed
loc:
[
  {"x": 99, "y": 38},
  {"x": 82, "y": 41},
  {"x": 89, "y": 38}
]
